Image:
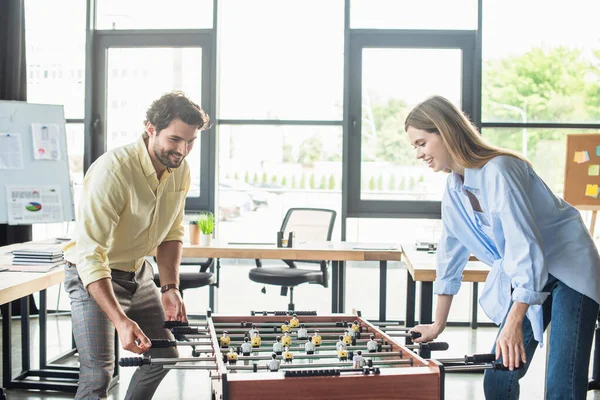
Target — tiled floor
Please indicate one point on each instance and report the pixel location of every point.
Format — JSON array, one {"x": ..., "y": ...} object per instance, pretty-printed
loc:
[{"x": 184, "y": 385}]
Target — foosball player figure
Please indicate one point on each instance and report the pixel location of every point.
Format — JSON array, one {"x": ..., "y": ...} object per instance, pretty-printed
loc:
[
  {"x": 294, "y": 321},
  {"x": 285, "y": 327},
  {"x": 316, "y": 338},
  {"x": 287, "y": 355},
  {"x": 348, "y": 337},
  {"x": 358, "y": 360},
  {"x": 286, "y": 340},
  {"x": 350, "y": 331},
  {"x": 224, "y": 340},
  {"x": 302, "y": 332},
  {"x": 252, "y": 331},
  {"x": 246, "y": 347},
  {"x": 356, "y": 326},
  {"x": 309, "y": 347},
  {"x": 277, "y": 346},
  {"x": 341, "y": 345},
  {"x": 255, "y": 340},
  {"x": 273, "y": 364},
  {"x": 232, "y": 356},
  {"x": 343, "y": 355},
  {"x": 372, "y": 345}
]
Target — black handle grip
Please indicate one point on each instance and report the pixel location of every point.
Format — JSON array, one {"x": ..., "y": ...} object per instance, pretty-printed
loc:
[
  {"x": 434, "y": 346},
  {"x": 500, "y": 367},
  {"x": 172, "y": 324},
  {"x": 163, "y": 343},
  {"x": 185, "y": 330},
  {"x": 133, "y": 361},
  {"x": 414, "y": 335},
  {"x": 480, "y": 358}
]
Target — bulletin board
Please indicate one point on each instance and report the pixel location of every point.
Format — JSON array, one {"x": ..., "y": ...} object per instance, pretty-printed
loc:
[
  {"x": 35, "y": 185},
  {"x": 582, "y": 171}
]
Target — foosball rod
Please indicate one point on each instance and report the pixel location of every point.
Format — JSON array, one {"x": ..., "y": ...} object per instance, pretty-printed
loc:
[
  {"x": 339, "y": 364},
  {"x": 313, "y": 356},
  {"x": 248, "y": 324}
]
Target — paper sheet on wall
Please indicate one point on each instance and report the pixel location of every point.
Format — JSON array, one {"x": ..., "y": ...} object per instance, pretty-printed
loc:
[
  {"x": 11, "y": 151},
  {"x": 33, "y": 204},
  {"x": 46, "y": 144}
]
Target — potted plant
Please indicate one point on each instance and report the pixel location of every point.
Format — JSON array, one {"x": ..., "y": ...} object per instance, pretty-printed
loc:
[{"x": 206, "y": 223}]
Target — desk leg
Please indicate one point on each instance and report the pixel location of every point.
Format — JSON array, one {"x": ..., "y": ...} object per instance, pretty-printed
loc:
[
  {"x": 382, "y": 290},
  {"x": 338, "y": 285},
  {"x": 25, "y": 357},
  {"x": 6, "y": 344},
  {"x": 43, "y": 314},
  {"x": 475, "y": 296},
  {"x": 594, "y": 383},
  {"x": 342, "y": 287},
  {"x": 426, "y": 310},
  {"x": 410, "y": 300}
]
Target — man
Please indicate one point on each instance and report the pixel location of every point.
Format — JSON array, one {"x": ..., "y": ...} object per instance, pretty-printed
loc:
[{"x": 132, "y": 202}]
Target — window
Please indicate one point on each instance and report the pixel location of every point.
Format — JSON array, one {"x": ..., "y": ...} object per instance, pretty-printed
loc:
[{"x": 534, "y": 72}]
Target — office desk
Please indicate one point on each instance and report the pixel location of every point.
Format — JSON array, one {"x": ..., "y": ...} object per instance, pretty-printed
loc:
[
  {"x": 336, "y": 252},
  {"x": 421, "y": 268}
]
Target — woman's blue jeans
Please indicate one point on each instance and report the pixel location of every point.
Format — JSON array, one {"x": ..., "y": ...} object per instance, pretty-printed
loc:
[{"x": 573, "y": 318}]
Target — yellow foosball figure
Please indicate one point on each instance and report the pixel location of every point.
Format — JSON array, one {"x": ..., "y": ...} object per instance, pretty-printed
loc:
[
  {"x": 294, "y": 321},
  {"x": 287, "y": 355},
  {"x": 316, "y": 339},
  {"x": 224, "y": 340},
  {"x": 232, "y": 356},
  {"x": 255, "y": 340},
  {"x": 342, "y": 355},
  {"x": 356, "y": 326},
  {"x": 285, "y": 327},
  {"x": 348, "y": 338},
  {"x": 286, "y": 340}
]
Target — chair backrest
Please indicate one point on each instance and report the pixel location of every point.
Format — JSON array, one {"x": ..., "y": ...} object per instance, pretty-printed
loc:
[{"x": 309, "y": 224}]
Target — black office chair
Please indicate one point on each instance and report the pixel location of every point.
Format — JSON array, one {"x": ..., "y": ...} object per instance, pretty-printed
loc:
[
  {"x": 191, "y": 280},
  {"x": 308, "y": 224}
]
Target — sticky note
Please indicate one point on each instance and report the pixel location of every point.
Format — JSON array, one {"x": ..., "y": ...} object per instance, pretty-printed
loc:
[
  {"x": 586, "y": 156},
  {"x": 598, "y": 151},
  {"x": 591, "y": 191},
  {"x": 581, "y": 157},
  {"x": 594, "y": 170}
]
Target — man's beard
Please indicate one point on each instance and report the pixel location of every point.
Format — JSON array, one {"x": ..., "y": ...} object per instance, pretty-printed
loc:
[{"x": 164, "y": 157}]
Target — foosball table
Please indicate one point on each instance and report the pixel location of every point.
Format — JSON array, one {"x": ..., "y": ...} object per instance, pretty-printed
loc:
[{"x": 275, "y": 355}]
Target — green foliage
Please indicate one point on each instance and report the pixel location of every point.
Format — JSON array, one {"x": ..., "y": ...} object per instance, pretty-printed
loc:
[
  {"x": 402, "y": 186},
  {"x": 372, "y": 184},
  {"x": 323, "y": 184},
  {"x": 284, "y": 181},
  {"x": 274, "y": 179},
  {"x": 264, "y": 178},
  {"x": 246, "y": 177},
  {"x": 312, "y": 183},
  {"x": 206, "y": 223},
  {"x": 236, "y": 176},
  {"x": 288, "y": 155},
  {"x": 255, "y": 178},
  {"x": 310, "y": 151},
  {"x": 392, "y": 183},
  {"x": 421, "y": 179},
  {"x": 331, "y": 185}
]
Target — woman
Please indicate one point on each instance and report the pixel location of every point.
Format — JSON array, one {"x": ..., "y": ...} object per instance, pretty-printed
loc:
[{"x": 543, "y": 261}]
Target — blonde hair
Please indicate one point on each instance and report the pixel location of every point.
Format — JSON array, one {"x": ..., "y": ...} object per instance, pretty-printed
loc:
[{"x": 464, "y": 143}]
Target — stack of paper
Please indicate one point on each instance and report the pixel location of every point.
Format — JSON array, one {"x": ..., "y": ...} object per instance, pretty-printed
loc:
[{"x": 36, "y": 260}]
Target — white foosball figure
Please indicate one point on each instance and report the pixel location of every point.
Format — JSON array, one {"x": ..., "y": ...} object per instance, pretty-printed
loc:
[
  {"x": 302, "y": 332},
  {"x": 252, "y": 331},
  {"x": 278, "y": 346},
  {"x": 309, "y": 347},
  {"x": 372, "y": 345},
  {"x": 246, "y": 347},
  {"x": 341, "y": 345},
  {"x": 358, "y": 360},
  {"x": 350, "y": 331},
  {"x": 273, "y": 365}
]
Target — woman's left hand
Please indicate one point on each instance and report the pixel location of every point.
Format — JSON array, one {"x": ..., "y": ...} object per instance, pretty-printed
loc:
[{"x": 510, "y": 345}]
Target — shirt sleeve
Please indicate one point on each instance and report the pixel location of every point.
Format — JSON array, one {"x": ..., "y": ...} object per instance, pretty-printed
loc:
[
  {"x": 177, "y": 231},
  {"x": 523, "y": 260},
  {"x": 102, "y": 202},
  {"x": 452, "y": 256}
]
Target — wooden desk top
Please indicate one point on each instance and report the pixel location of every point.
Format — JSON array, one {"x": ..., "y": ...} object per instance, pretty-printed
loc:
[
  {"x": 421, "y": 266},
  {"x": 14, "y": 285},
  {"x": 335, "y": 251}
]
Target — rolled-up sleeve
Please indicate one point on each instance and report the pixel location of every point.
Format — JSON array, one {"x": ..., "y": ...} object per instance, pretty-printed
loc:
[
  {"x": 524, "y": 260},
  {"x": 177, "y": 231},
  {"x": 102, "y": 202}
]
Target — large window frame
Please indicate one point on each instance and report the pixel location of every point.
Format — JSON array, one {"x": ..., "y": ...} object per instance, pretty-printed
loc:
[
  {"x": 96, "y": 122},
  {"x": 414, "y": 39}
]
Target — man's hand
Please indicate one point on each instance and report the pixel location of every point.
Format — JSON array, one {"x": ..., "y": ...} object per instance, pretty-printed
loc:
[
  {"x": 510, "y": 345},
  {"x": 428, "y": 332},
  {"x": 131, "y": 336},
  {"x": 174, "y": 306}
]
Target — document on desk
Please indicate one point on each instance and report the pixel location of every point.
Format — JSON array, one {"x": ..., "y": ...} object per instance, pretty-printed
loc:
[{"x": 375, "y": 246}]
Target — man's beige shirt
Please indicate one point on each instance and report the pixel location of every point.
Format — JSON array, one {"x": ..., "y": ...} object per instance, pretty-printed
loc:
[{"x": 125, "y": 212}]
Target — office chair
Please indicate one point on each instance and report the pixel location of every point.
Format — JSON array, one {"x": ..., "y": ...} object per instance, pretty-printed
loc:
[
  {"x": 191, "y": 280},
  {"x": 308, "y": 224}
]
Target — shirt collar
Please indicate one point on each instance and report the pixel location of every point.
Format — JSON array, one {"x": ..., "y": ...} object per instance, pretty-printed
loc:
[
  {"x": 144, "y": 157},
  {"x": 470, "y": 181}
]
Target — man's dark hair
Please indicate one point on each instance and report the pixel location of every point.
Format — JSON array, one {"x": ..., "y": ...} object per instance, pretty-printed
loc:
[{"x": 174, "y": 105}]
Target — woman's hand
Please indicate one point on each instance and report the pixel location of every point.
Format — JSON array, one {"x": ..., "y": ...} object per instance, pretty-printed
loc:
[
  {"x": 428, "y": 332},
  {"x": 509, "y": 344}
]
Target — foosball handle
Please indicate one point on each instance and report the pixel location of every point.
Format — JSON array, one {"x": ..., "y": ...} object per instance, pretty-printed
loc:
[
  {"x": 133, "y": 361},
  {"x": 163, "y": 343},
  {"x": 434, "y": 346},
  {"x": 172, "y": 324},
  {"x": 185, "y": 330},
  {"x": 480, "y": 358},
  {"x": 414, "y": 335},
  {"x": 500, "y": 367}
]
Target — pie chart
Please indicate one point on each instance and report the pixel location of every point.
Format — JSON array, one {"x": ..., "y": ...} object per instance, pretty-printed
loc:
[{"x": 33, "y": 206}]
